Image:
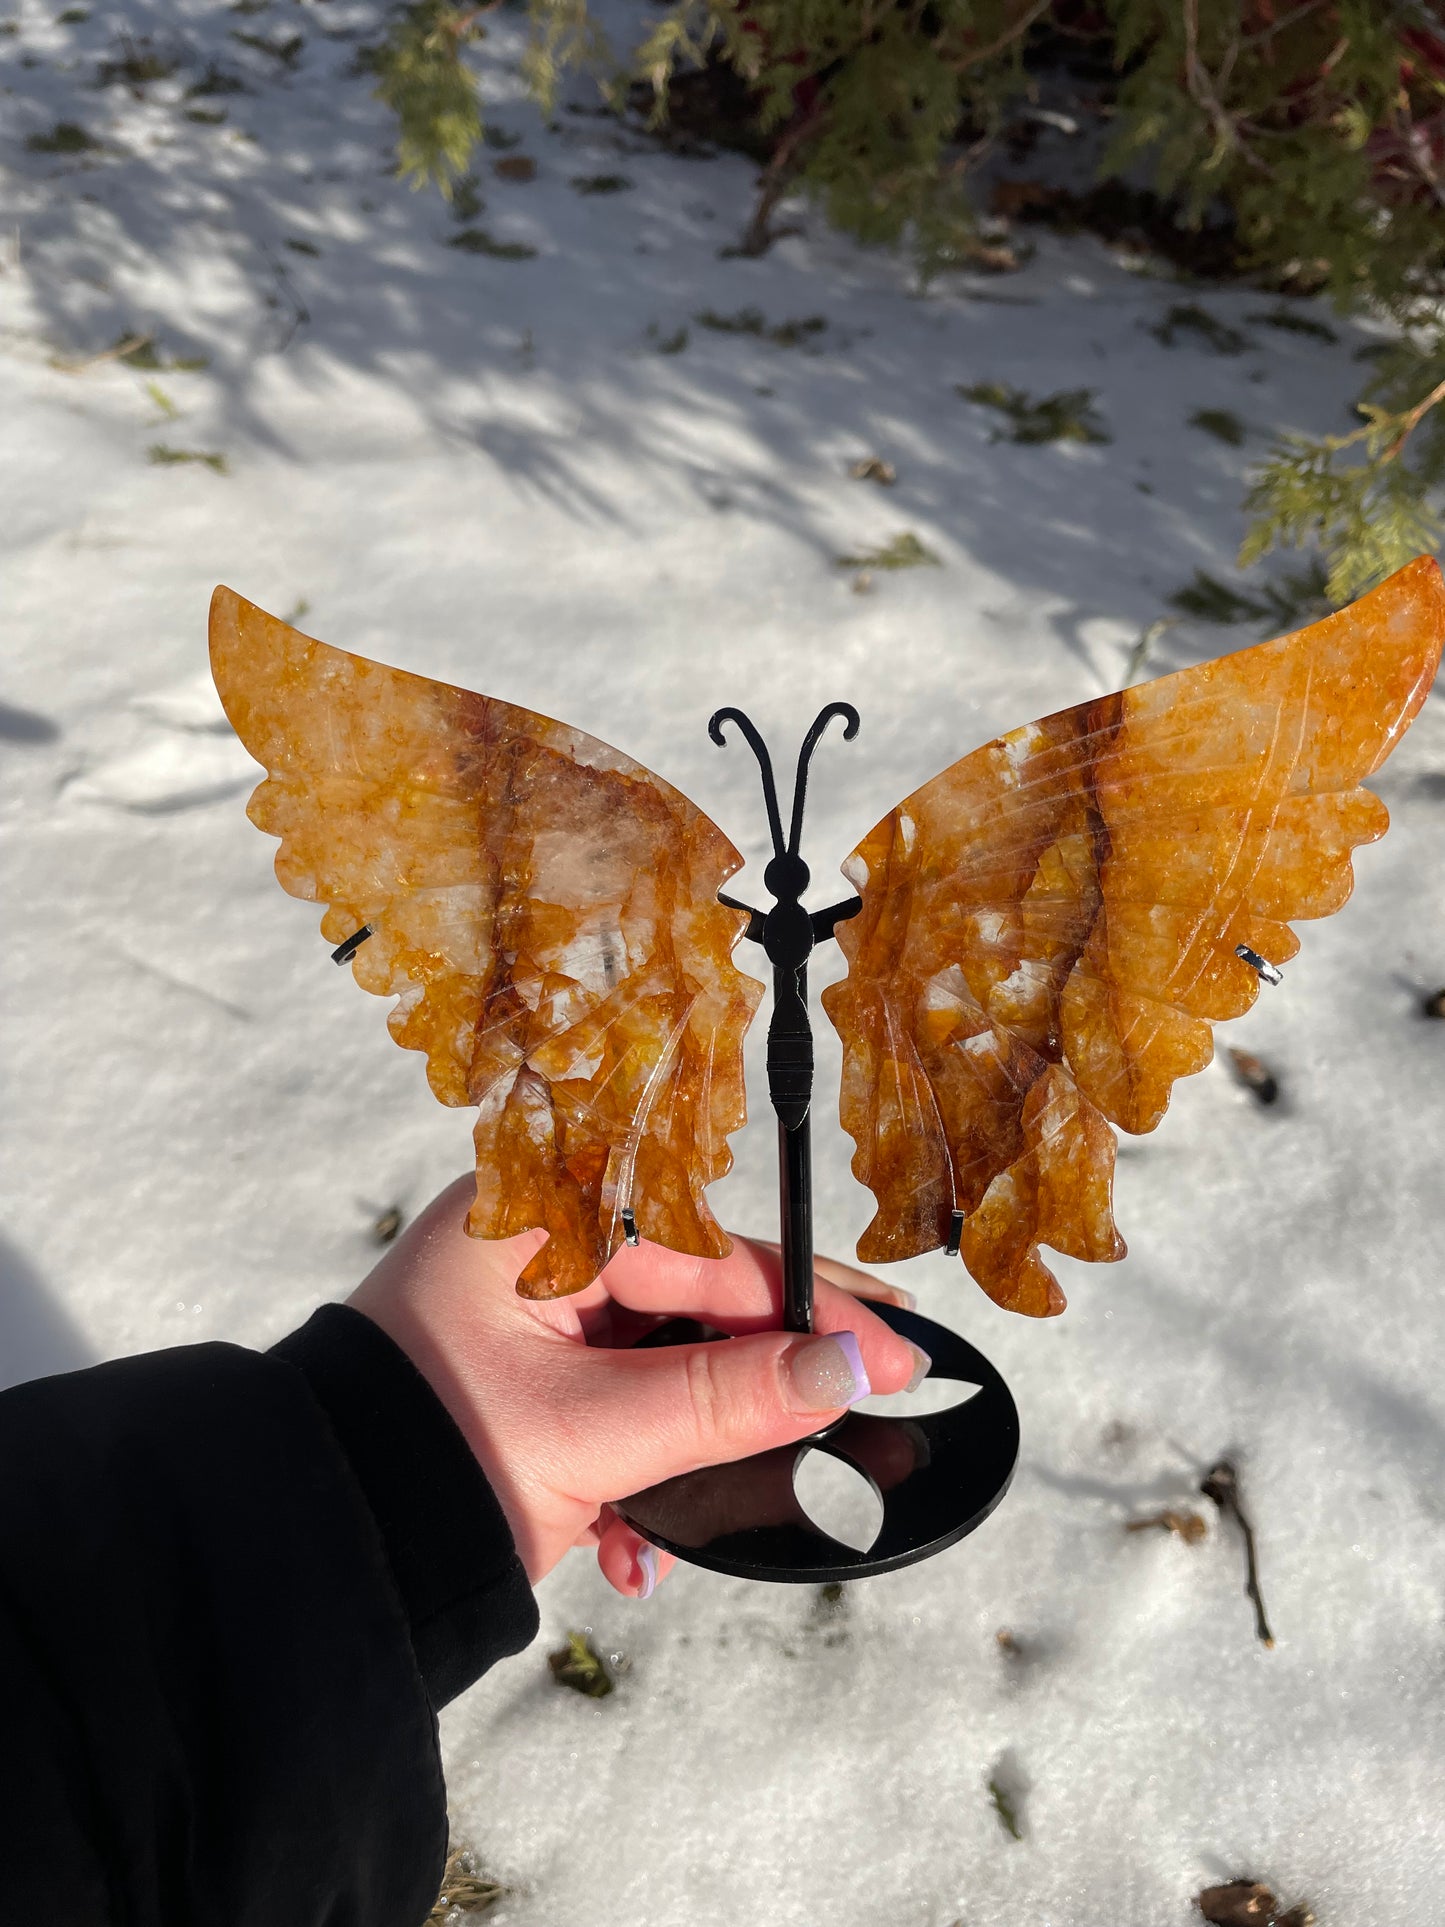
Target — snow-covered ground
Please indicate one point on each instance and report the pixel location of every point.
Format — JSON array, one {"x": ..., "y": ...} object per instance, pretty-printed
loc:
[{"x": 485, "y": 470}]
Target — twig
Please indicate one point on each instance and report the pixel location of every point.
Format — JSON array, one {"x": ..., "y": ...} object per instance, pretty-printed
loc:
[
  {"x": 1417, "y": 147},
  {"x": 126, "y": 346},
  {"x": 1000, "y": 41},
  {"x": 1221, "y": 1484},
  {"x": 778, "y": 174},
  {"x": 300, "y": 313},
  {"x": 1197, "y": 80},
  {"x": 1147, "y": 638},
  {"x": 1411, "y": 420},
  {"x": 1262, "y": 34}
]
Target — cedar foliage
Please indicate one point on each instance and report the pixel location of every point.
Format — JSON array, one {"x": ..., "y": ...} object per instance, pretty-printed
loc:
[{"x": 1306, "y": 137}]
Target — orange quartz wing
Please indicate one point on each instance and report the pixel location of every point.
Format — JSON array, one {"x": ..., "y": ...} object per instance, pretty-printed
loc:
[
  {"x": 1048, "y": 927},
  {"x": 544, "y": 910}
]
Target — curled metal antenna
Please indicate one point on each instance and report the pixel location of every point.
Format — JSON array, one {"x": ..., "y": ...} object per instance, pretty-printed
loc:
[
  {"x": 805, "y": 756},
  {"x": 765, "y": 764}
]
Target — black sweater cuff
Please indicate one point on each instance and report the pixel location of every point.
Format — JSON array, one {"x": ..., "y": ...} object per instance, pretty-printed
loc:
[{"x": 466, "y": 1594}]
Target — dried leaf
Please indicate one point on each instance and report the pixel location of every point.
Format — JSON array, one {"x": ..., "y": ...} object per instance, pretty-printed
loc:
[
  {"x": 1003, "y": 1806},
  {"x": 1249, "y": 1903},
  {"x": 1188, "y": 1526}
]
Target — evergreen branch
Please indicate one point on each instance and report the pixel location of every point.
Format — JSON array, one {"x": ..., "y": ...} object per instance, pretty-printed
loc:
[
  {"x": 1005, "y": 39},
  {"x": 1411, "y": 420},
  {"x": 423, "y": 79},
  {"x": 1202, "y": 89},
  {"x": 1282, "y": 25},
  {"x": 779, "y": 173}
]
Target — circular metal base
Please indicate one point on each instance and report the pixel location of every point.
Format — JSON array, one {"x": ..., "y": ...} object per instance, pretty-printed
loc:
[{"x": 744, "y": 1517}]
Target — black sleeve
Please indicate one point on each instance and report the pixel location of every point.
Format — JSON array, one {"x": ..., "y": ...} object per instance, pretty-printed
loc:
[{"x": 235, "y": 1588}]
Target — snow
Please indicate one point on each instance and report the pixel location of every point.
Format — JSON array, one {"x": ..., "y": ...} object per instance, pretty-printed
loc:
[{"x": 485, "y": 471}]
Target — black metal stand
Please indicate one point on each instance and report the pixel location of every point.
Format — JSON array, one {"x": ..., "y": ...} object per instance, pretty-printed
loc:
[{"x": 938, "y": 1476}]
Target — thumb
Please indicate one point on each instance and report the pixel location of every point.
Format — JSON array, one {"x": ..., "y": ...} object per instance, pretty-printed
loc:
[{"x": 658, "y": 1414}]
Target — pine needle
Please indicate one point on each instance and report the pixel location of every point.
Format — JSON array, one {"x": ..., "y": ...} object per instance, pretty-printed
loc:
[
  {"x": 466, "y": 1891},
  {"x": 161, "y": 456}
]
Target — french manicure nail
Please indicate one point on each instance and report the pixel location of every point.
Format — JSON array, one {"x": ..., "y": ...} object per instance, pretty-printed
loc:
[
  {"x": 647, "y": 1566},
  {"x": 921, "y": 1369},
  {"x": 828, "y": 1372}
]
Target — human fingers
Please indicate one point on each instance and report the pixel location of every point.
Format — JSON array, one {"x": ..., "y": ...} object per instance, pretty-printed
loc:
[
  {"x": 641, "y": 1417},
  {"x": 742, "y": 1294},
  {"x": 629, "y": 1563}
]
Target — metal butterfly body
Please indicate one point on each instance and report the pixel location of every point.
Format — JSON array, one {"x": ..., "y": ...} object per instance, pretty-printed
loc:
[{"x": 1042, "y": 935}]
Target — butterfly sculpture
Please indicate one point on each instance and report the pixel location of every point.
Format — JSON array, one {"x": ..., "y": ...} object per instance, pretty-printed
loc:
[{"x": 1042, "y": 937}]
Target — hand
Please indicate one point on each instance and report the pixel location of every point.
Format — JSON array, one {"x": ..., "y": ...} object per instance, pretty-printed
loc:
[{"x": 563, "y": 1417}]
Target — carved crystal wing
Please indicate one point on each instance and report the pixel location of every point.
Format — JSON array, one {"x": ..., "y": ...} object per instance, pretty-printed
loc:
[
  {"x": 545, "y": 911},
  {"x": 1049, "y": 927}
]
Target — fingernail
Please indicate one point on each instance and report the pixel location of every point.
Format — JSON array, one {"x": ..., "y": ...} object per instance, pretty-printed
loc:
[
  {"x": 647, "y": 1566},
  {"x": 828, "y": 1372},
  {"x": 921, "y": 1369},
  {"x": 908, "y": 1299}
]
